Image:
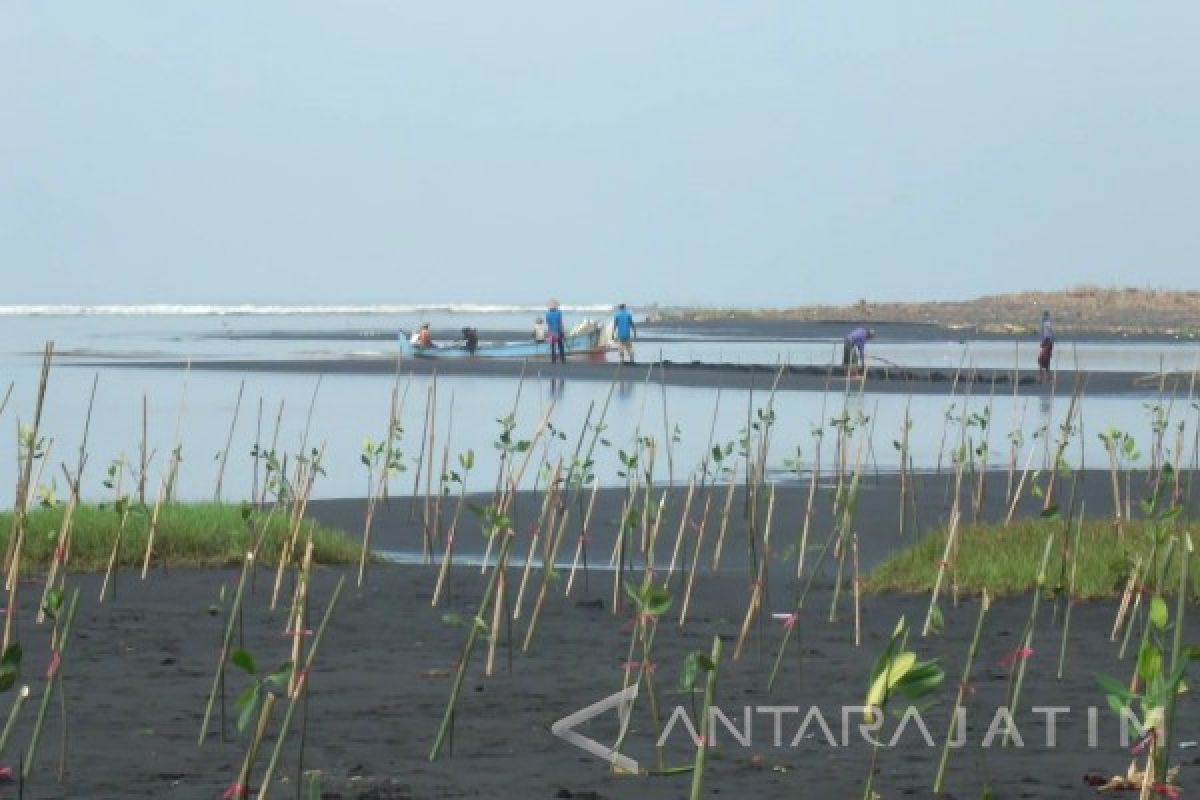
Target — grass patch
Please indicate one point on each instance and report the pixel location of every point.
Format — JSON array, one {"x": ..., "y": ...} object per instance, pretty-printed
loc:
[
  {"x": 1006, "y": 560},
  {"x": 189, "y": 535}
]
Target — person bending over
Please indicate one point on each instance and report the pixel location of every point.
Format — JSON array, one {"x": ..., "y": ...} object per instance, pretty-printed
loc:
[{"x": 854, "y": 349}]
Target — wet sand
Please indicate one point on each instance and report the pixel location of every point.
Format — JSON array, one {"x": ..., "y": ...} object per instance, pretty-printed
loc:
[
  {"x": 672, "y": 373},
  {"x": 138, "y": 672}
]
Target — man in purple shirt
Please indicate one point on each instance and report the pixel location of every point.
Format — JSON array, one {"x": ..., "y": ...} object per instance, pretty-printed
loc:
[{"x": 854, "y": 349}]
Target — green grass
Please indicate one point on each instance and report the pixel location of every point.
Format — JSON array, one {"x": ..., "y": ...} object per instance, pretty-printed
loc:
[
  {"x": 189, "y": 535},
  {"x": 1006, "y": 560}
]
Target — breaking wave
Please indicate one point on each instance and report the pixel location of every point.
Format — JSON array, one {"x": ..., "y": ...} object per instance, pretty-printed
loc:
[{"x": 168, "y": 310}]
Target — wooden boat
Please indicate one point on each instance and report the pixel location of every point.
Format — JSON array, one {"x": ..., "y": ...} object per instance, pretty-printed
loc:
[{"x": 586, "y": 338}]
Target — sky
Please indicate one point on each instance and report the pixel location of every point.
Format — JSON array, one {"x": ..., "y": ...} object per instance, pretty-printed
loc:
[{"x": 703, "y": 153}]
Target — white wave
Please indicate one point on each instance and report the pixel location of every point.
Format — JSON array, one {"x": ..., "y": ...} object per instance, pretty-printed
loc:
[{"x": 167, "y": 309}]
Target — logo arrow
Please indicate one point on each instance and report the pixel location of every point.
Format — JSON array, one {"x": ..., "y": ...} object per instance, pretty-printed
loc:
[{"x": 623, "y": 702}]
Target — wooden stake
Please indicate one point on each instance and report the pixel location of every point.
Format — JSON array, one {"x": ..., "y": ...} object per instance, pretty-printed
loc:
[
  {"x": 237, "y": 407},
  {"x": 687, "y": 595}
]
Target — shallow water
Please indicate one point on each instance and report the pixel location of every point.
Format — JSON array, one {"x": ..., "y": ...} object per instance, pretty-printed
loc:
[{"x": 351, "y": 408}]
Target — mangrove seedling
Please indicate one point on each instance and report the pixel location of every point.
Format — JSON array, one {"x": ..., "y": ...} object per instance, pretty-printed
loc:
[{"x": 896, "y": 672}]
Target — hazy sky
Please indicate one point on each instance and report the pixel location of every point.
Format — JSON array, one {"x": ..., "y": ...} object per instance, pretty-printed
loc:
[{"x": 750, "y": 153}]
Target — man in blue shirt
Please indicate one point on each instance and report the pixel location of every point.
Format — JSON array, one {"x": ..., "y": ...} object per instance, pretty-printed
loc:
[
  {"x": 556, "y": 333},
  {"x": 623, "y": 332}
]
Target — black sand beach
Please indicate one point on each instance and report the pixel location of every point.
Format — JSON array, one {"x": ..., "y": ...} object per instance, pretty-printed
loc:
[{"x": 139, "y": 669}]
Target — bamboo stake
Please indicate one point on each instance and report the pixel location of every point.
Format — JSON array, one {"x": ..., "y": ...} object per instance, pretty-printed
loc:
[
  {"x": 618, "y": 557},
  {"x": 21, "y": 505},
  {"x": 257, "y": 452},
  {"x": 1126, "y": 596},
  {"x": 412, "y": 508},
  {"x": 583, "y": 537},
  {"x": 13, "y": 713},
  {"x": 380, "y": 490},
  {"x": 1031, "y": 627},
  {"x": 112, "y": 567},
  {"x": 444, "y": 477},
  {"x": 716, "y": 561},
  {"x": 427, "y": 534},
  {"x": 941, "y": 575},
  {"x": 683, "y": 521},
  {"x": 56, "y": 659},
  {"x": 162, "y": 495},
  {"x": 1016, "y": 498},
  {"x": 756, "y": 594},
  {"x": 296, "y": 619},
  {"x": 963, "y": 686},
  {"x": 857, "y": 592},
  {"x": 1064, "y": 440},
  {"x": 819, "y": 436},
  {"x": 691, "y": 579},
  {"x": 497, "y": 617},
  {"x": 300, "y": 688},
  {"x": 234, "y": 611},
  {"x": 464, "y": 660},
  {"x": 448, "y": 556},
  {"x": 262, "y": 498},
  {"x": 1062, "y": 650},
  {"x": 176, "y": 449},
  {"x": 241, "y": 789},
  {"x": 58, "y": 562},
  {"x": 706, "y": 737},
  {"x": 237, "y": 407},
  {"x": 297, "y": 520},
  {"x": 547, "y": 571},
  {"x": 548, "y": 519}
]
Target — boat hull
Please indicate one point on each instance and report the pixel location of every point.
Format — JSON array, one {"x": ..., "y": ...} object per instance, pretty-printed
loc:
[{"x": 585, "y": 343}]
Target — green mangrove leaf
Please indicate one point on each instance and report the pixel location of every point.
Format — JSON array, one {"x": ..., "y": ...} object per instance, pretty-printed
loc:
[
  {"x": 244, "y": 660},
  {"x": 1158, "y": 612},
  {"x": 1149, "y": 665},
  {"x": 281, "y": 676},
  {"x": 1114, "y": 689},
  {"x": 246, "y": 706},
  {"x": 53, "y": 604},
  {"x": 691, "y": 667}
]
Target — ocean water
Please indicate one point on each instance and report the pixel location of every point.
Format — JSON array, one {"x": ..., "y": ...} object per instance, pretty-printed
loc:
[{"x": 196, "y": 408}]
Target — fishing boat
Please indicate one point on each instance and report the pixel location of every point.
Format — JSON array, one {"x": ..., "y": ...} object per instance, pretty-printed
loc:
[{"x": 586, "y": 338}]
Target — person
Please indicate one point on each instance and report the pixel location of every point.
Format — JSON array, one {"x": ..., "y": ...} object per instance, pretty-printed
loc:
[
  {"x": 556, "y": 333},
  {"x": 623, "y": 332},
  {"x": 539, "y": 330},
  {"x": 1046, "y": 349},
  {"x": 424, "y": 336},
  {"x": 470, "y": 340},
  {"x": 854, "y": 349}
]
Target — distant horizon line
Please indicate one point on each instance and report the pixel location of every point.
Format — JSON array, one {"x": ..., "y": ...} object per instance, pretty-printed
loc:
[{"x": 280, "y": 309}]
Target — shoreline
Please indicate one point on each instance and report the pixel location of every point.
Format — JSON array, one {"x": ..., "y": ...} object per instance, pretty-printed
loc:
[{"x": 700, "y": 375}]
